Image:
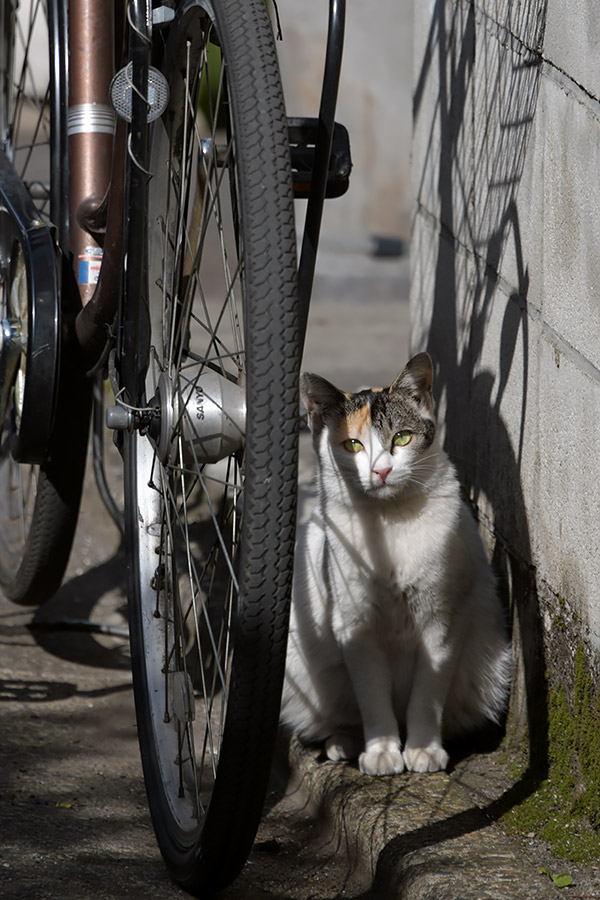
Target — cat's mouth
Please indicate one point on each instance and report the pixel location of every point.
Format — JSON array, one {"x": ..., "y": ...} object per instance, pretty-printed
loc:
[
  {"x": 382, "y": 489},
  {"x": 387, "y": 490}
]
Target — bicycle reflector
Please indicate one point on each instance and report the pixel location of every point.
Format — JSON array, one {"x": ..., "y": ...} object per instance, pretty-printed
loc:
[{"x": 121, "y": 92}]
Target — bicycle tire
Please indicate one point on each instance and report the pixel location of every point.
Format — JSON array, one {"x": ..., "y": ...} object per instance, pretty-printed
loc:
[
  {"x": 210, "y": 529},
  {"x": 38, "y": 504}
]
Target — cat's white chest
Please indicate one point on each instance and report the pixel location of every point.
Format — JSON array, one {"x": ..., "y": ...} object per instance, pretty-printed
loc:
[
  {"x": 367, "y": 574},
  {"x": 381, "y": 551}
]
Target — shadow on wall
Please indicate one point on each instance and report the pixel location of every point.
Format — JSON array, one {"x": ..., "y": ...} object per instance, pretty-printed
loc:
[{"x": 474, "y": 104}]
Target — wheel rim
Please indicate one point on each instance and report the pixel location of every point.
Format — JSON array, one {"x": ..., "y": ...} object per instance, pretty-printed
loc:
[
  {"x": 18, "y": 483},
  {"x": 18, "y": 489},
  {"x": 189, "y": 470}
]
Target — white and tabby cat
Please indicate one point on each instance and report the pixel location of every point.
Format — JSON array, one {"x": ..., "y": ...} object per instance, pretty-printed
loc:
[{"x": 397, "y": 637}]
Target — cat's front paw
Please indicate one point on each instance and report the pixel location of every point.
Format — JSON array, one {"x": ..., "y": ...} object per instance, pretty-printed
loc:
[
  {"x": 425, "y": 759},
  {"x": 342, "y": 746},
  {"x": 381, "y": 757}
]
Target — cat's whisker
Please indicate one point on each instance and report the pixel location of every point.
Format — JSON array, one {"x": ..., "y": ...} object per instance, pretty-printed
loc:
[
  {"x": 422, "y": 484},
  {"x": 424, "y": 458},
  {"x": 426, "y": 469},
  {"x": 423, "y": 473},
  {"x": 421, "y": 464}
]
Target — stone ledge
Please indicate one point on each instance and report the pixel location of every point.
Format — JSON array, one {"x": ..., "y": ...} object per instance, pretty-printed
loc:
[{"x": 417, "y": 837}]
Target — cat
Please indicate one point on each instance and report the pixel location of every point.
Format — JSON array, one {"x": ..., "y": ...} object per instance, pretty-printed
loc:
[{"x": 396, "y": 630}]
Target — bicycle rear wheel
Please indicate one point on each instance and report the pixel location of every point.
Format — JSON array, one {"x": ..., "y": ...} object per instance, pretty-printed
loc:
[
  {"x": 38, "y": 504},
  {"x": 210, "y": 481}
]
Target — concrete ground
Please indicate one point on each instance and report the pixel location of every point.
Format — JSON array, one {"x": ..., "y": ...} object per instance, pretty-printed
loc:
[{"x": 73, "y": 818}]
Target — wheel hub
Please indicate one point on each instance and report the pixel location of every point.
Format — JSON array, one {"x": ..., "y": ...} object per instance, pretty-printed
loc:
[
  {"x": 208, "y": 413},
  {"x": 13, "y": 338}
]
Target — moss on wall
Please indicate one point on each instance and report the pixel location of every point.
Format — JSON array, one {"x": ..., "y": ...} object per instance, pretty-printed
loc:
[{"x": 565, "y": 808}]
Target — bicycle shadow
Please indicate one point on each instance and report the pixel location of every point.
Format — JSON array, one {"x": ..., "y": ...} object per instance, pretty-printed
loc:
[
  {"x": 86, "y": 621},
  {"x": 474, "y": 148}
]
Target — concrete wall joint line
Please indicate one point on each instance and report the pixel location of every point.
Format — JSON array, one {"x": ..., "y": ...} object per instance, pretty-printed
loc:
[
  {"x": 565, "y": 349},
  {"x": 515, "y": 44},
  {"x": 572, "y": 88},
  {"x": 504, "y": 36}
]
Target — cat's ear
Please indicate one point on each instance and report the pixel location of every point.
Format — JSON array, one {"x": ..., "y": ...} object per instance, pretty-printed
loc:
[
  {"x": 321, "y": 399},
  {"x": 417, "y": 378}
]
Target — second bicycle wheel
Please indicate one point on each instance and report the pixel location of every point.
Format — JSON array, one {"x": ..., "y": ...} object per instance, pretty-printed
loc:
[
  {"x": 211, "y": 478},
  {"x": 39, "y": 504}
]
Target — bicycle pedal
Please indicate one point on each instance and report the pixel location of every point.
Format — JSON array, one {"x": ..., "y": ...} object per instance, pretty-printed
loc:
[{"x": 303, "y": 137}]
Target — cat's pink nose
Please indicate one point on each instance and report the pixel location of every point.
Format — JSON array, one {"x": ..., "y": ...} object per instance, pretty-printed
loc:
[{"x": 383, "y": 472}]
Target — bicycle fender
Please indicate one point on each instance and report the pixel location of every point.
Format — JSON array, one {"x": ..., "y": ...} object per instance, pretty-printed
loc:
[{"x": 21, "y": 228}]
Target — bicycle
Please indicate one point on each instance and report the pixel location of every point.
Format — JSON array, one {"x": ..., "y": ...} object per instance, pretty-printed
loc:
[{"x": 158, "y": 247}]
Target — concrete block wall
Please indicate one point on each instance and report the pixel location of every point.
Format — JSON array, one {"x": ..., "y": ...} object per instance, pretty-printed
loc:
[{"x": 505, "y": 294}]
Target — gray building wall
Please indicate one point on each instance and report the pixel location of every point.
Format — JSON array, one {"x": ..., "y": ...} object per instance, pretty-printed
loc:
[
  {"x": 505, "y": 295},
  {"x": 374, "y": 104}
]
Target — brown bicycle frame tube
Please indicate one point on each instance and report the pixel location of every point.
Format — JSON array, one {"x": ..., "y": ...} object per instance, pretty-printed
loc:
[{"x": 91, "y": 127}]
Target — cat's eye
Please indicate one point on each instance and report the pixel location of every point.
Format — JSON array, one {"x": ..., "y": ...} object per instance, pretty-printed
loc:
[
  {"x": 402, "y": 439},
  {"x": 353, "y": 446}
]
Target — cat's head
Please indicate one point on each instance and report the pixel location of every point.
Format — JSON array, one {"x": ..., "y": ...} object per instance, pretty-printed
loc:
[{"x": 378, "y": 440}]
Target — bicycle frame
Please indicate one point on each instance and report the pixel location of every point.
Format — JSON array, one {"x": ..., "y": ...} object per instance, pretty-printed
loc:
[
  {"x": 97, "y": 167},
  {"x": 91, "y": 127}
]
